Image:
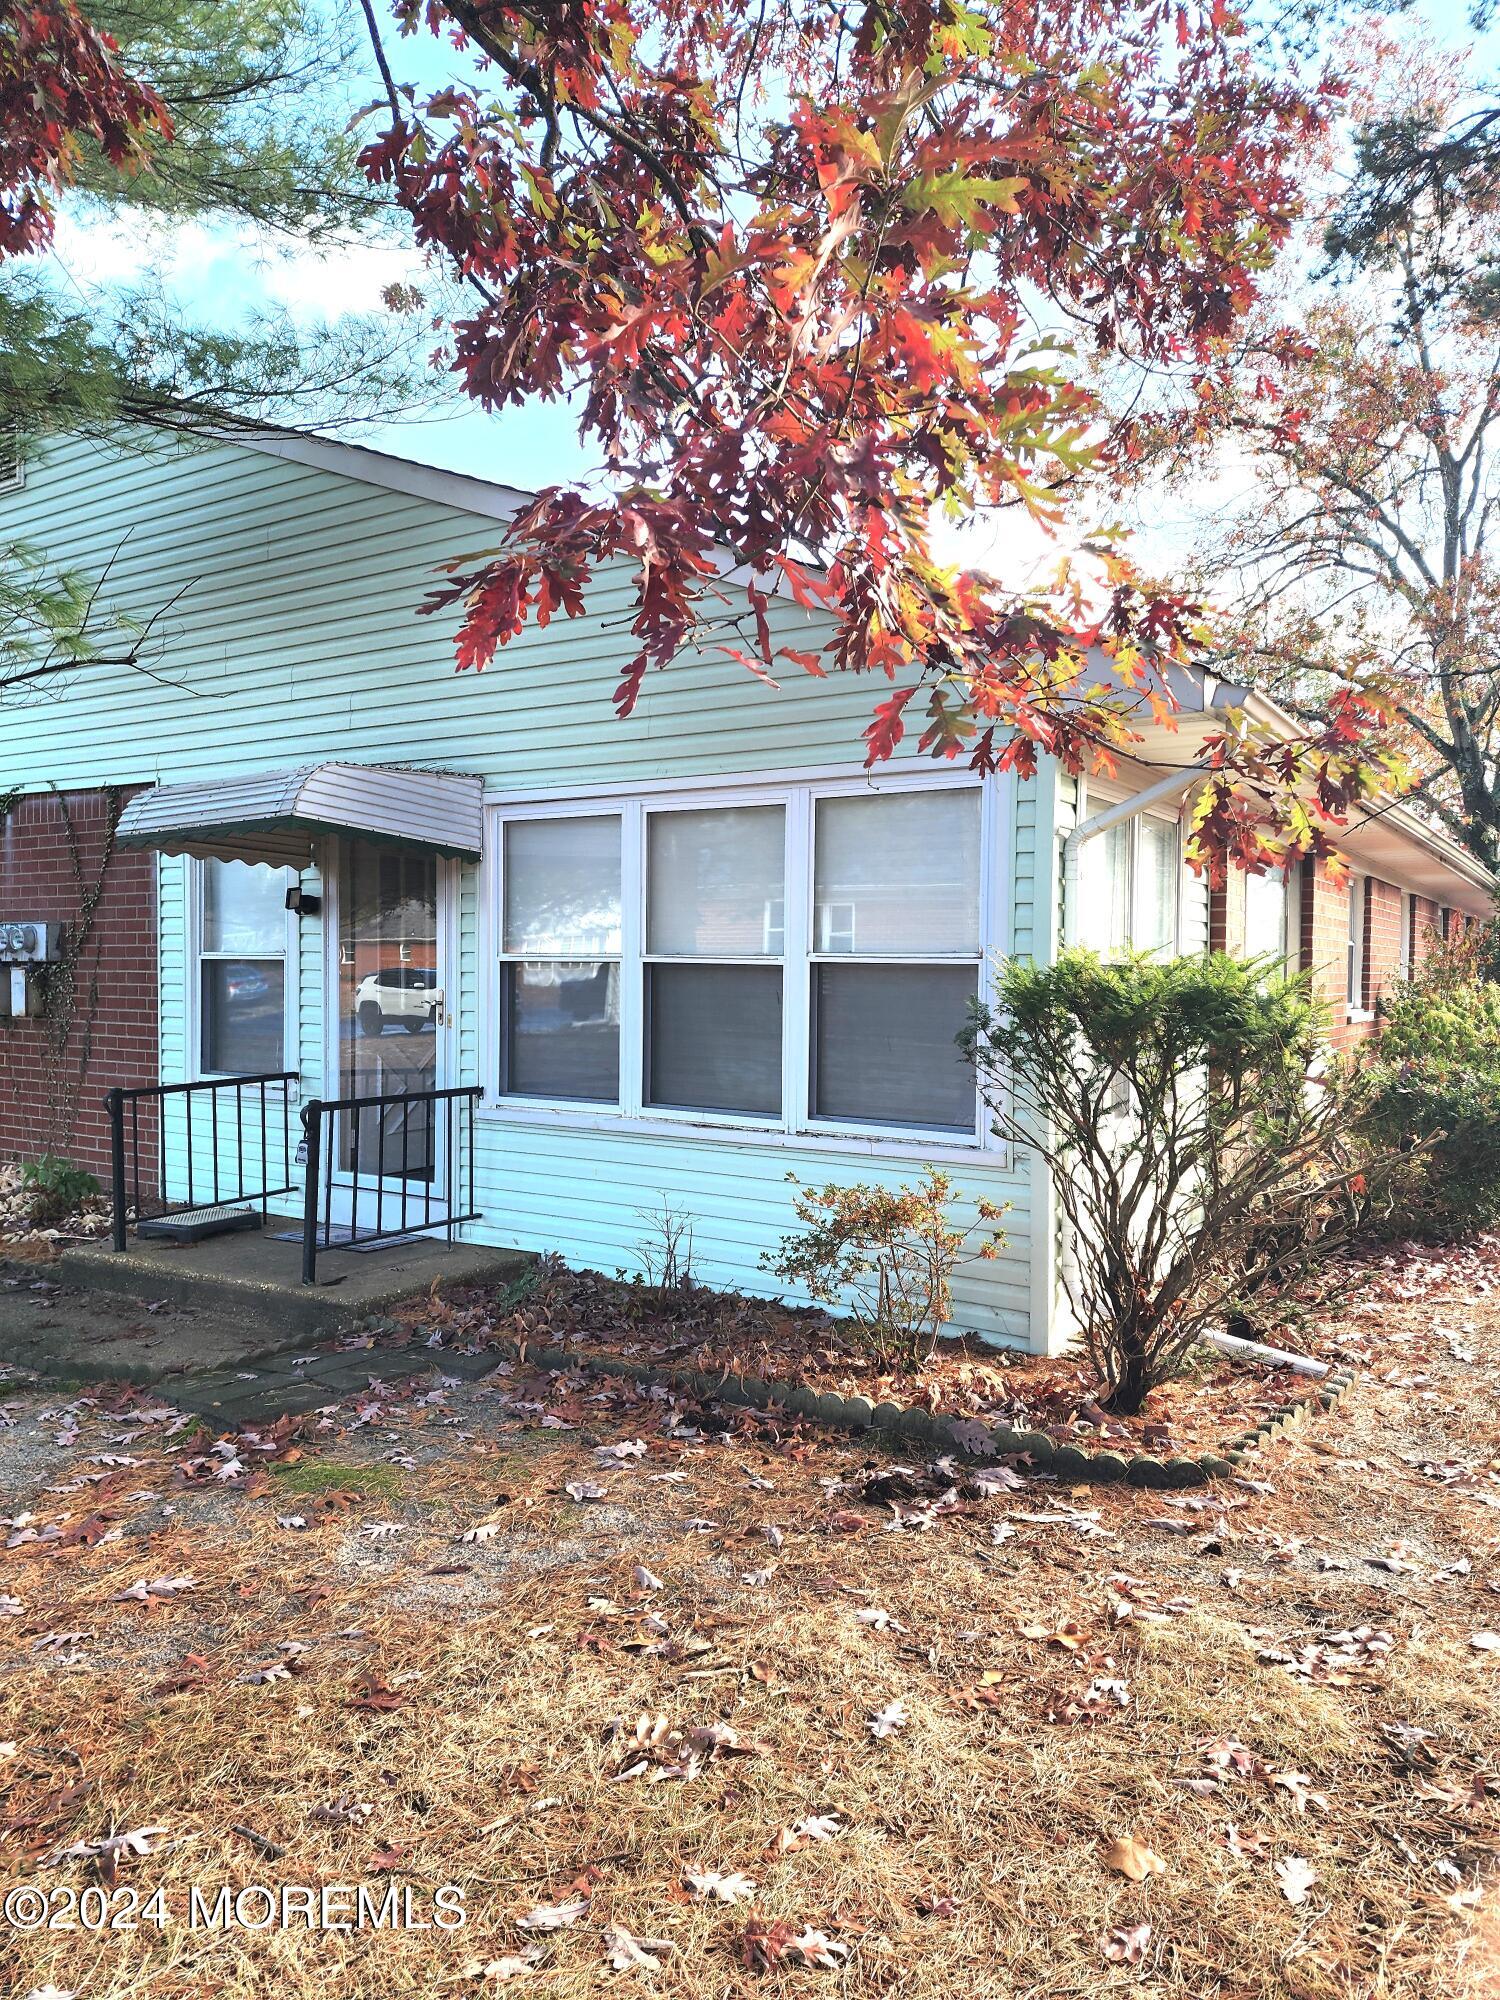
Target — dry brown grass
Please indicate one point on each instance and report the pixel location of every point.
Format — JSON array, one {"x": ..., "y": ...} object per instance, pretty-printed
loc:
[{"x": 971, "y": 1863}]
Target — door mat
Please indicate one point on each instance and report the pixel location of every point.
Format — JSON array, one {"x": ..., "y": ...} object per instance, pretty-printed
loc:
[{"x": 338, "y": 1238}]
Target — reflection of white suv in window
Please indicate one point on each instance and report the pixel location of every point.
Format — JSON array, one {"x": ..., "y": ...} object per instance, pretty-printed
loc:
[{"x": 404, "y": 993}]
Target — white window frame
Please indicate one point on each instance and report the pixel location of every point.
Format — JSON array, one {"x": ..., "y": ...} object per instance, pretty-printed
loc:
[
  {"x": 1408, "y": 933},
  {"x": 635, "y": 887},
  {"x": 196, "y": 957},
  {"x": 1356, "y": 994},
  {"x": 1291, "y": 912},
  {"x": 497, "y": 958},
  {"x": 1096, "y": 799},
  {"x": 795, "y": 792}
]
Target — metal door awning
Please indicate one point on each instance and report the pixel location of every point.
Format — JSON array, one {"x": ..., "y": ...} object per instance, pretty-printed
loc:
[{"x": 275, "y": 816}]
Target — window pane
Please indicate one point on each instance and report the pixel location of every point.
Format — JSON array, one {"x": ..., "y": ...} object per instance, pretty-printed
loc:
[
  {"x": 897, "y": 874},
  {"x": 1104, "y": 886},
  {"x": 562, "y": 1031},
  {"x": 1267, "y": 931},
  {"x": 562, "y": 887},
  {"x": 884, "y": 1051},
  {"x": 1155, "y": 885},
  {"x": 244, "y": 907},
  {"x": 714, "y": 883},
  {"x": 714, "y": 1037},
  {"x": 387, "y": 1029},
  {"x": 244, "y": 1011}
]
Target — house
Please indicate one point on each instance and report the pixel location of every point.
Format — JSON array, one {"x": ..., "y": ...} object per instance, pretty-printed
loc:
[{"x": 555, "y": 969}]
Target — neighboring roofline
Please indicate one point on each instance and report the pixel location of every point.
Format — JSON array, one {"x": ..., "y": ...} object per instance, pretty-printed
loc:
[
  {"x": 1441, "y": 846},
  {"x": 460, "y": 490}
]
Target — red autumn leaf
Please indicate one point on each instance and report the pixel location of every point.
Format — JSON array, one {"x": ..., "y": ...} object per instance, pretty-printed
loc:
[
  {"x": 377, "y": 1696},
  {"x": 84, "y": 1534}
]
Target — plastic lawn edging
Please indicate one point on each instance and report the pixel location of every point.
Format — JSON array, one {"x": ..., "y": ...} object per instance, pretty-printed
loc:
[{"x": 966, "y": 1436}]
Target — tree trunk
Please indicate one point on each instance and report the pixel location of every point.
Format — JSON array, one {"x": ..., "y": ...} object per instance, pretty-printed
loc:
[{"x": 1132, "y": 1383}]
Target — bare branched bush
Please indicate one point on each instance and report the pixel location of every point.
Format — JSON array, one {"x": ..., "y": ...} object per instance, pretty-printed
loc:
[{"x": 666, "y": 1250}]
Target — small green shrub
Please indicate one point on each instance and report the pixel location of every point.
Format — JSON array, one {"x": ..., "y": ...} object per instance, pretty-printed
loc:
[
  {"x": 57, "y": 1188},
  {"x": 1436, "y": 1069},
  {"x": 888, "y": 1255}
]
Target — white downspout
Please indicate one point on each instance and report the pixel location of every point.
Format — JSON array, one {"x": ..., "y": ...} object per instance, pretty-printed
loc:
[{"x": 1101, "y": 822}]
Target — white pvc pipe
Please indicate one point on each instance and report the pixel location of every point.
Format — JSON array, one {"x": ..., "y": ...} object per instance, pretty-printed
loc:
[{"x": 1276, "y": 1357}]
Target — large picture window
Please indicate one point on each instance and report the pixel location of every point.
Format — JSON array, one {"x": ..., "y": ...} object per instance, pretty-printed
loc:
[
  {"x": 242, "y": 936},
  {"x": 802, "y": 958}
]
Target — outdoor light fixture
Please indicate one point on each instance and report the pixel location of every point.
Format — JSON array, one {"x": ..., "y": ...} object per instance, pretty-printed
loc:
[{"x": 303, "y": 903}]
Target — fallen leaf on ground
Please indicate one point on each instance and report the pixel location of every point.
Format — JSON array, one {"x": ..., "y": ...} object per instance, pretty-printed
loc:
[
  {"x": 1296, "y": 1876},
  {"x": 732, "y": 1888},
  {"x": 553, "y": 1916},
  {"x": 161, "y": 1586},
  {"x": 1129, "y": 1856},
  {"x": 817, "y": 1948},
  {"x": 1069, "y": 1636},
  {"x": 625, "y": 1952},
  {"x": 499, "y": 1968},
  {"x": 1126, "y": 1947},
  {"x": 886, "y": 1721},
  {"x": 879, "y": 1621}
]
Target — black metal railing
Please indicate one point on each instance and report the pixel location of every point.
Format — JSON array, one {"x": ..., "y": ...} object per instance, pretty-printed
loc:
[
  {"x": 227, "y": 1152},
  {"x": 414, "y": 1152}
]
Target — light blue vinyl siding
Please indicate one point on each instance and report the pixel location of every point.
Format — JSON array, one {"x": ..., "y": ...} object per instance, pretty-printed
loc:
[{"x": 287, "y": 632}]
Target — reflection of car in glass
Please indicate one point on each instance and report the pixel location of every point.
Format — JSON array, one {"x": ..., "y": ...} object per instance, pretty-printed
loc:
[
  {"x": 404, "y": 993},
  {"x": 245, "y": 982}
]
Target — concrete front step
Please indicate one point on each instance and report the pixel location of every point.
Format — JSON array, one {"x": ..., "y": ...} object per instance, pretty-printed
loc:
[{"x": 255, "y": 1281}]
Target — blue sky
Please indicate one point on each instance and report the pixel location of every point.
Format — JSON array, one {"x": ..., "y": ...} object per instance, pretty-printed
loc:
[{"x": 222, "y": 276}]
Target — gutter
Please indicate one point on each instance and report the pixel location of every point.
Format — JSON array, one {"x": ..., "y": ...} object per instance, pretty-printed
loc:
[{"x": 1164, "y": 788}]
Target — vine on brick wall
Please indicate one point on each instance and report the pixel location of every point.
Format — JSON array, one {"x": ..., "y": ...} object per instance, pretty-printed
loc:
[{"x": 69, "y": 983}]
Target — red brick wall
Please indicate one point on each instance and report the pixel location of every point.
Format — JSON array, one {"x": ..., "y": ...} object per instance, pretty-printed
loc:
[
  {"x": 1427, "y": 929},
  {"x": 1325, "y": 935},
  {"x": 1383, "y": 965},
  {"x": 1325, "y": 931},
  {"x": 56, "y": 851},
  {"x": 1325, "y": 947}
]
